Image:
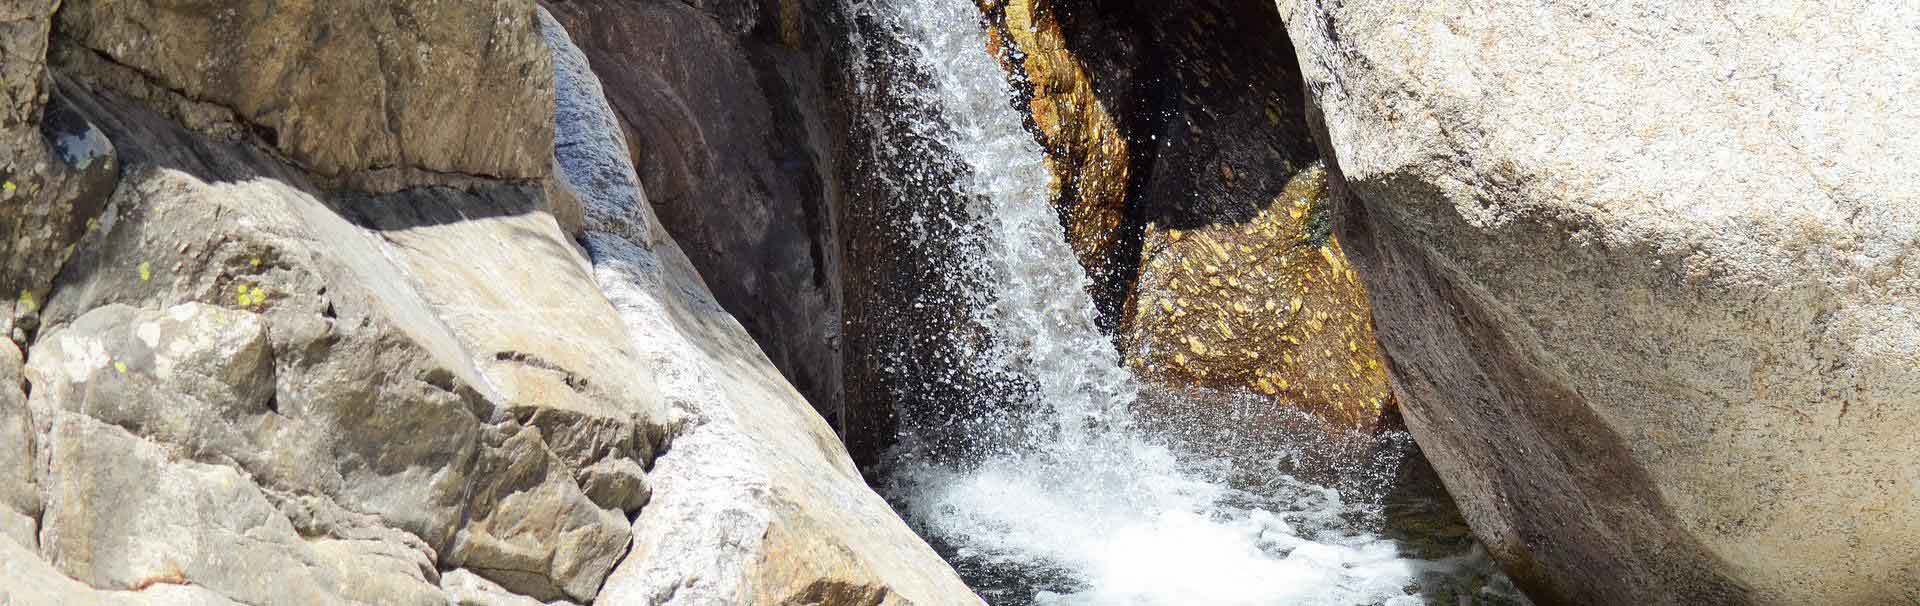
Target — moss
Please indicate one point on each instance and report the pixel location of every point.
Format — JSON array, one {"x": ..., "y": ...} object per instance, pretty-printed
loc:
[{"x": 1319, "y": 226}]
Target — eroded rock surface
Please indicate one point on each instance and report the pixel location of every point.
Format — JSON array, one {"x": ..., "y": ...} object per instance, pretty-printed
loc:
[{"x": 1648, "y": 282}]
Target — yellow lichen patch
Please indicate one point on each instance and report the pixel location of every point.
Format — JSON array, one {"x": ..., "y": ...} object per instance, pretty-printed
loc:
[
  {"x": 120, "y": 366},
  {"x": 9, "y": 186},
  {"x": 146, "y": 271},
  {"x": 26, "y": 304},
  {"x": 249, "y": 296}
]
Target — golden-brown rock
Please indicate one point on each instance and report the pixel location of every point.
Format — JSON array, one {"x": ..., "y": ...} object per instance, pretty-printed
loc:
[
  {"x": 1267, "y": 306},
  {"x": 1087, "y": 152}
]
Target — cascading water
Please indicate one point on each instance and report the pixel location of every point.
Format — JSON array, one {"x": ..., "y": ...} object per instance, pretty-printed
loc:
[{"x": 1068, "y": 502}]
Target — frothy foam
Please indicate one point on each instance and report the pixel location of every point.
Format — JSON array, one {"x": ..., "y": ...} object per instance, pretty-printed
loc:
[{"x": 1082, "y": 508}]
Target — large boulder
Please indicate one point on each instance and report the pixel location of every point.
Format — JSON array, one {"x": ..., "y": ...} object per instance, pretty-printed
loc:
[
  {"x": 1648, "y": 282},
  {"x": 393, "y": 384},
  {"x": 721, "y": 106},
  {"x": 756, "y": 502},
  {"x": 378, "y": 93}
]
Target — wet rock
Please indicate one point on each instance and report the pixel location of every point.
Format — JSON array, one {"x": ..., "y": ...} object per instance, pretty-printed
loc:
[
  {"x": 720, "y": 115},
  {"x": 1647, "y": 282},
  {"x": 1188, "y": 185},
  {"x": 755, "y": 500},
  {"x": 1088, "y": 153},
  {"x": 380, "y": 93}
]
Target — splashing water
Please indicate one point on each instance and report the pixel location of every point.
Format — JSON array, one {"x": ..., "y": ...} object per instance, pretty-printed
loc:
[{"x": 1074, "y": 503}]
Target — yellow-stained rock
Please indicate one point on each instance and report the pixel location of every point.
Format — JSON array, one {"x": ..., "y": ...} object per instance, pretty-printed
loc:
[
  {"x": 1087, "y": 152},
  {"x": 1316, "y": 351}
]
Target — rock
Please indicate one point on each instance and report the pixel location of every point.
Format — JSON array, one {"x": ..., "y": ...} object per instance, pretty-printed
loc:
[
  {"x": 122, "y": 514},
  {"x": 56, "y": 170},
  {"x": 1647, "y": 281},
  {"x": 378, "y": 93},
  {"x": 755, "y": 500},
  {"x": 1268, "y": 307},
  {"x": 465, "y": 588},
  {"x": 29, "y": 581},
  {"x": 352, "y": 352},
  {"x": 530, "y": 528},
  {"x": 19, "y": 498},
  {"x": 1200, "y": 214},
  {"x": 1088, "y": 153},
  {"x": 724, "y": 129},
  {"x": 618, "y": 484}
]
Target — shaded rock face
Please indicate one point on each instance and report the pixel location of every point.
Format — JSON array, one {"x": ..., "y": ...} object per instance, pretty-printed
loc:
[
  {"x": 1187, "y": 181},
  {"x": 379, "y": 94},
  {"x": 755, "y": 501},
  {"x": 722, "y": 105},
  {"x": 56, "y": 170},
  {"x": 1649, "y": 298}
]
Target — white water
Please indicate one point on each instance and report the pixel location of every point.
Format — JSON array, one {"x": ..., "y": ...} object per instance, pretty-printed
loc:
[{"x": 1100, "y": 513}]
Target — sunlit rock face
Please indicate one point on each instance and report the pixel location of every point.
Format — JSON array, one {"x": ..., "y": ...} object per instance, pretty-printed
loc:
[
  {"x": 1647, "y": 279},
  {"x": 1188, "y": 185},
  {"x": 1088, "y": 153},
  {"x": 1269, "y": 306}
]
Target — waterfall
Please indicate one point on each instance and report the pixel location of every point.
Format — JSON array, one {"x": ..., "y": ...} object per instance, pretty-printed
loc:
[{"x": 1071, "y": 504}]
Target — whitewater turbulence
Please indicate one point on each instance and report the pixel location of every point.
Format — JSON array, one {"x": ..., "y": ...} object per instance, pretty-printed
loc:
[{"x": 1072, "y": 505}]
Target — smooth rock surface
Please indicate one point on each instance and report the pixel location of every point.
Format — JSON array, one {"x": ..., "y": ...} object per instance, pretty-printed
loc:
[
  {"x": 1648, "y": 280},
  {"x": 344, "y": 89},
  {"x": 756, "y": 502},
  {"x": 721, "y": 114}
]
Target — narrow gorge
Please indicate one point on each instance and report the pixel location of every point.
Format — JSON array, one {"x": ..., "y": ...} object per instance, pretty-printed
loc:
[{"x": 958, "y": 302}]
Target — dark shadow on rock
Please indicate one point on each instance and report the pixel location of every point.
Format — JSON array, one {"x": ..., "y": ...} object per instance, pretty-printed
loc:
[
  {"x": 143, "y": 137},
  {"x": 1209, "y": 97}
]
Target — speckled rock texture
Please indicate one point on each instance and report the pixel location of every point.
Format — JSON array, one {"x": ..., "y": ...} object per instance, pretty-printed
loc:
[{"x": 1648, "y": 280}]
